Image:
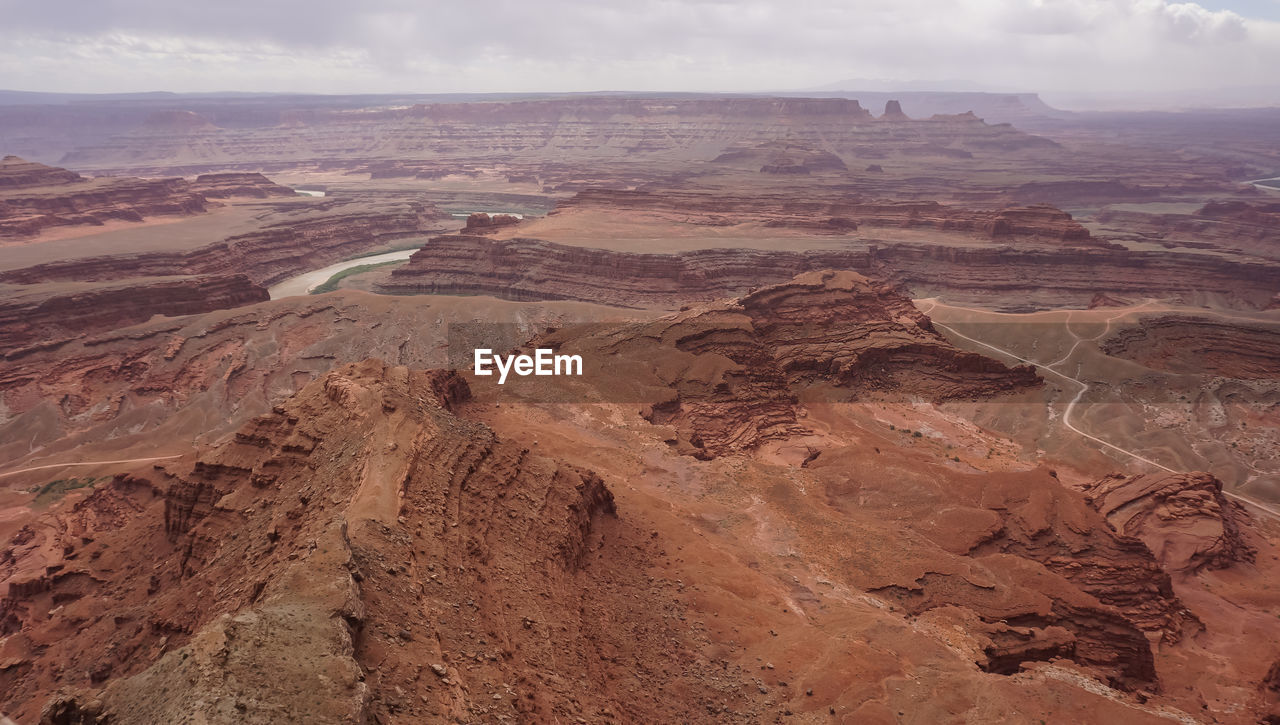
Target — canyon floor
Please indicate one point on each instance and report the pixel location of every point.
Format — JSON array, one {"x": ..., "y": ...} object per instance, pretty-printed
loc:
[{"x": 900, "y": 417}]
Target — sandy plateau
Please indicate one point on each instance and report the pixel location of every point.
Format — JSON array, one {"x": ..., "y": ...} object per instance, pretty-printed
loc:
[{"x": 885, "y": 417}]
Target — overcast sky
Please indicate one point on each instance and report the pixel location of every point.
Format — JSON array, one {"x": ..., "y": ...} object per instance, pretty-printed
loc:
[{"x": 577, "y": 45}]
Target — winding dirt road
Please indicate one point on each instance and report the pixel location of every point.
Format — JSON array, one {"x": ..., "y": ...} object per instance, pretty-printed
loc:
[
  {"x": 1084, "y": 388},
  {"x": 86, "y": 463}
]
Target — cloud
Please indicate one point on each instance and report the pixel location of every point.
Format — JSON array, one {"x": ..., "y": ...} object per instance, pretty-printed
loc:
[{"x": 510, "y": 45}]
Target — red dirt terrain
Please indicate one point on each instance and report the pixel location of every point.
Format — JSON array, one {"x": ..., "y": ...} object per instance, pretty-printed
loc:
[{"x": 904, "y": 417}]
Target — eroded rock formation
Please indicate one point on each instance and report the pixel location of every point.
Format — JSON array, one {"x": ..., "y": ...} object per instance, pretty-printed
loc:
[
  {"x": 46, "y": 314},
  {"x": 34, "y": 197},
  {"x": 238, "y": 184},
  {"x": 355, "y": 519},
  {"x": 1016, "y": 278},
  {"x": 782, "y": 158},
  {"x": 584, "y": 128},
  {"x": 482, "y": 223},
  {"x": 1183, "y": 518},
  {"x": 725, "y": 376},
  {"x": 1200, "y": 346}
]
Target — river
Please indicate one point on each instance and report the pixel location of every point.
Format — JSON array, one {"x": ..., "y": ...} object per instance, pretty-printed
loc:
[
  {"x": 307, "y": 281},
  {"x": 1272, "y": 184}
]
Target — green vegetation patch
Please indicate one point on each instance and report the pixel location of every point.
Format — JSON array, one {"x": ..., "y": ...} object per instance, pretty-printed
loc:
[
  {"x": 56, "y": 489},
  {"x": 331, "y": 284},
  {"x": 415, "y": 244}
]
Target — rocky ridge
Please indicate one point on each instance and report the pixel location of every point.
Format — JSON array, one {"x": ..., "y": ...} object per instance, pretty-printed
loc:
[
  {"x": 1193, "y": 345},
  {"x": 353, "y": 506},
  {"x": 46, "y": 317},
  {"x": 725, "y": 376}
]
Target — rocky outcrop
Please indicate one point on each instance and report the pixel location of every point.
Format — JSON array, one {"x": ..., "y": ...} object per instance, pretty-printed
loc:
[
  {"x": 318, "y": 536},
  {"x": 844, "y": 329},
  {"x": 725, "y": 376},
  {"x": 239, "y": 184},
  {"x": 1102, "y": 299},
  {"x": 482, "y": 223},
  {"x": 893, "y": 112},
  {"x": 1058, "y": 530},
  {"x": 1016, "y": 558},
  {"x": 45, "y": 315},
  {"x": 34, "y": 197},
  {"x": 1191, "y": 345},
  {"x": 1059, "y": 620},
  {"x": 1036, "y": 221},
  {"x": 16, "y": 173},
  {"x": 314, "y": 236},
  {"x": 781, "y": 157},
  {"x": 1264, "y": 215},
  {"x": 1183, "y": 518}
]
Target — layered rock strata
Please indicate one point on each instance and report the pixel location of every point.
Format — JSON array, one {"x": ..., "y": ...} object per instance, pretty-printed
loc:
[
  {"x": 46, "y": 315},
  {"x": 318, "y": 536},
  {"x": 320, "y": 235},
  {"x": 1184, "y": 518},
  {"x": 725, "y": 376}
]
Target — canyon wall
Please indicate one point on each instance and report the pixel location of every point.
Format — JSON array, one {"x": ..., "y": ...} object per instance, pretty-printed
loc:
[
  {"x": 837, "y": 213},
  {"x": 34, "y": 197},
  {"x": 1014, "y": 278},
  {"x": 1200, "y": 346},
  {"x": 725, "y": 375},
  {"x": 591, "y": 127},
  {"x": 47, "y": 316}
]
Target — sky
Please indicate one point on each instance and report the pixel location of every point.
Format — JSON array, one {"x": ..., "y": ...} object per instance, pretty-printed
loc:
[{"x": 1114, "y": 47}]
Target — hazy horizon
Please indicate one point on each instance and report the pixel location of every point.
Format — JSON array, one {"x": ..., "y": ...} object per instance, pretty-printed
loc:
[{"x": 1145, "y": 51}]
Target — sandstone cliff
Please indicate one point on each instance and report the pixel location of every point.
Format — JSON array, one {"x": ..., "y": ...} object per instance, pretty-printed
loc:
[
  {"x": 481, "y": 223},
  {"x": 48, "y": 314},
  {"x": 577, "y": 128}
]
